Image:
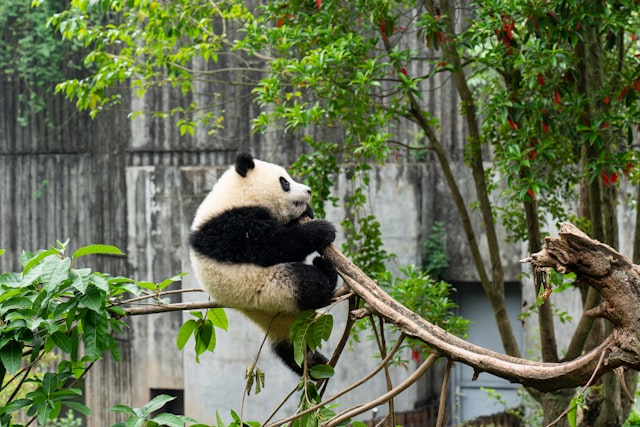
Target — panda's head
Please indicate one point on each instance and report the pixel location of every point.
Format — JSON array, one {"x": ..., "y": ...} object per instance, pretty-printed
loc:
[{"x": 252, "y": 182}]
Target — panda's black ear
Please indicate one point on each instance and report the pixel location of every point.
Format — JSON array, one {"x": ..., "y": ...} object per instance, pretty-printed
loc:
[{"x": 244, "y": 162}]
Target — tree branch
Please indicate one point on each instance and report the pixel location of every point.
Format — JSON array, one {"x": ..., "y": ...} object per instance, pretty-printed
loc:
[
  {"x": 590, "y": 260},
  {"x": 162, "y": 308}
]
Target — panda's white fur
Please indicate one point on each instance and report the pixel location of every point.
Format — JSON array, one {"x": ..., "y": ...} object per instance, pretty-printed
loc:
[{"x": 247, "y": 249}]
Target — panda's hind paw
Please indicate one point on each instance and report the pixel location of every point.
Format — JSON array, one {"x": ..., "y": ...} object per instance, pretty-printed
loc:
[
  {"x": 329, "y": 270},
  {"x": 324, "y": 264}
]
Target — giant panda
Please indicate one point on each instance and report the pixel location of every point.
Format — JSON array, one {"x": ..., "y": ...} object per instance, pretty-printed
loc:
[{"x": 248, "y": 250}]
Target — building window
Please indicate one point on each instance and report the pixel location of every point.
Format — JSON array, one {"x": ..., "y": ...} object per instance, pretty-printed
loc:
[{"x": 175, "y": 406}]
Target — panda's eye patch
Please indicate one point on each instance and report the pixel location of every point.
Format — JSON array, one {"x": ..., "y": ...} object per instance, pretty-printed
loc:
[{"x": 286, "y": 186}]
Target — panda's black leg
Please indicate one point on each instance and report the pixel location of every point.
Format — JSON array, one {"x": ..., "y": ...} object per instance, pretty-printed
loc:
[
  {"x": 314, "y": 284},
  {"x": 284, "y": 350}
]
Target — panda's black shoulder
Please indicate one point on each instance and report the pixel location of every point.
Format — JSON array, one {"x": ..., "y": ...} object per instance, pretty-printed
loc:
[{"x": 231, "y": 235}]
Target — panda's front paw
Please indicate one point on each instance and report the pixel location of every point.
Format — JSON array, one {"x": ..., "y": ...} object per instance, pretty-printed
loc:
[
  {"x": 322, "y": 232},
  {"x": 308, "y": 213}
]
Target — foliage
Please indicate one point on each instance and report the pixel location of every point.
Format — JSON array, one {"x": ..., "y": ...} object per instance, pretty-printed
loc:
[
  {"x": 54, "y": 304},
  {"x": 434, "y": 254},
  {"x": 308, "y": 331},
  {"x": 146, "y": 415},
  {"x": 32, "y": 57},
  {"x": 428, "y": 298},
  {"x": 203, "y": 330},
  {"x": 51, "y": 304},
  {"x": 173, "y": 35},
  {"x": 544, "y": 108}
]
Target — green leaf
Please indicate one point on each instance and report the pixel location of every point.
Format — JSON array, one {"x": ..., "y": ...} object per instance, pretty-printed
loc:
[
  {"x": 308, "y": 331},
  {"x": 54, "y": 272},
  {"x": 298, "y": 335},
  {"x": 170, "y": 280},
  {"x": 77, "y": 406},
  {"x": 572, "y": 414},
  {"x": 49, "y": 383},
  {"x": 93, "y": 299},
  {"x": 124, "y": 409},
  {"x": 45, "y": 412},
  {"x": 147, "y": 285},
  {"x": 61, "y": 340},
  {"x": 185, "y": 332},
  {"x": 11, "y": 280},
  {"x": 36, "y": 259},
  {"x": 95, "y": 331},
  {"x": 321, "y": 371},
  {"x": 15, "y": 405},
  {"x": 172, "y": 420},
  {"x": 218, "y": 317},
  {"x": 114, "y": 349},
  {"x": 205, "y": 337},
  {"x": 321, "y": 329},
  {"x": 16, "y": 303},
  {"x": 219, "y": 420},
  {"x": 156, "y": 403},
  {"x": 96, "y": 250},
  {"x": 11, "y": 356},
  {"x": 80, "y": 279},
  {"x": 99, "y": 282}
]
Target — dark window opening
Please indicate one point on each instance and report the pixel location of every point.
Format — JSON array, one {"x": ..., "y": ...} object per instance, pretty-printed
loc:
[{"x": 175, "y": 406}]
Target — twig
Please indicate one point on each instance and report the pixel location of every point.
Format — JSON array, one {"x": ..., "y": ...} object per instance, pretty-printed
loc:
[
  {"x": 382, "y": 345},
  {"x": 158, "y": 295},
  {"x": 411, "y": 379},
  {"x": 442, "y": 405},
  {"x": 582, "y": 389},
  {"x": 161, "y": 308},
  {"x": 251, "y": 371},
  {"x": 277, "y": 408},
  {"x": 346, "y": 333},
  {"x": 620, "y": 373},
  {"x": 346, "y": 390}
]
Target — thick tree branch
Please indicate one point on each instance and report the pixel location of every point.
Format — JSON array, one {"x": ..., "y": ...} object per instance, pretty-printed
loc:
[{"x": 595, "y": 263}]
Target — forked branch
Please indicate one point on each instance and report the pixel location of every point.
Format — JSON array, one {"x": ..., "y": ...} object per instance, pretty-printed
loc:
[{"x": 609, "y": 272}]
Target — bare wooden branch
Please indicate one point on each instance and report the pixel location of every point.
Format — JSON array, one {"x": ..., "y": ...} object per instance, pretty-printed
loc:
[
  {"x": 597, "y": 264},
  {"x": 163, "y": 308}
]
